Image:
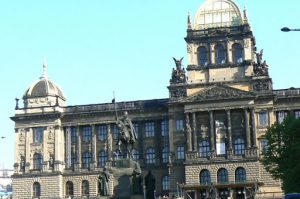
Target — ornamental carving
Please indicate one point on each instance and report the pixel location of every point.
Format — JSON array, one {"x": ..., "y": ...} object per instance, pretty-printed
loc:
[
  {"x": 22, "y": 136},
  {"x": 204, "y": 131},
  {"x": 178, "y": 73},
  {"x": 51, "y": 134},
  {"x": 178, "y": 93},
  {"x": 261, "y": 86},
  {"x": 219, "y": 92},
  {"x": 260, "y": 67}
]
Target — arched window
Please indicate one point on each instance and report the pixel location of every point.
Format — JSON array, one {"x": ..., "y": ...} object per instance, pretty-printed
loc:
[
  {"x": 202, "y": 53},
  {"x": 180, "y": 151},
  {"x": 204, "y": 148},
  {"x": 237, "y": 53},
  {"x": 85, "y": 188},
  {"x": 135, "y": 154},
  {"x": 220, "y": 55},
  {"x": 150, "y": 156},
  {"x": 86, "y": 160},
  {"x": 36, "y": 188},
  {"x": 204, "y": 177},
  {"x": 69, "y": 188},
  {"x": 222, "y": 175},
  {"x": 240, "y": 174},
  {"x": 239, "y": 146},
  {"x": 165, "y": 155},
  {"x": 102, "y": 158},
  {"x": 165, "y": 183},
  {"x": 37, "y": 161}
]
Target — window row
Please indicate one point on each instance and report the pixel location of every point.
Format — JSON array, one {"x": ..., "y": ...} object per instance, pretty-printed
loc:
[
  {"x": 102, "y": 131},
  {"x": 222, "y": 176},
  {"x": 204, "y": 147},
  {"x": 85, "y": 188},
  {"x": 220, "y": 54}
]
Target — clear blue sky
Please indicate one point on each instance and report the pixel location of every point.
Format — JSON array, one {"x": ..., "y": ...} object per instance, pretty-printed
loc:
[{"x": 96, "y": 47}]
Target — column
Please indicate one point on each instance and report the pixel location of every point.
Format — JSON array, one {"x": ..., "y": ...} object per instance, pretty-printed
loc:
[
  {"x": 253, "y": 127},
  {"x": 78, "y": 155},
  {"x": 212, "y": 130},
  {"x": 227, "y": 51},
  {"x": 229, "y": 129},
  {"x": 94, "y": 144},
  {"x": 109, "y": 142},
  {"x": 247, "y": 128},
  {"x": 28, "y": 139},
  {"x": 188, "y": 132},
  {"x": 194, "y": 132},
  {"x": 171, "y": 131},
  {"x": 68, "y": 147},
  {"x": 210, "y": 54}
]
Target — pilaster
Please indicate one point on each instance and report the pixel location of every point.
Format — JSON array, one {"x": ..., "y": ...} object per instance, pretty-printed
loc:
[
  {"x": 212, "y": 130},
  {"x": 194, "y": 132},
  {"x": 247, "y": 129}
]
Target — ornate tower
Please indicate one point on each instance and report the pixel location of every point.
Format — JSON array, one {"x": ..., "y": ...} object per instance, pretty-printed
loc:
[
  {"x": 39, "y": 137},
  {"x": 221, "y": 50}
]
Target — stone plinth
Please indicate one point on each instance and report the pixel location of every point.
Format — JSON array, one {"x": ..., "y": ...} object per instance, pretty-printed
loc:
[{"x": 122, "y": 172}]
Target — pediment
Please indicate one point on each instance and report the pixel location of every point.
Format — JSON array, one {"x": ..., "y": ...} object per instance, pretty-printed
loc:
[{"x": 219, "y": 92}]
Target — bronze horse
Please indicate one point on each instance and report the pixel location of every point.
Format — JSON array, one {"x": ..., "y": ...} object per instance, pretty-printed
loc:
[{"x": 126, "y": 137}]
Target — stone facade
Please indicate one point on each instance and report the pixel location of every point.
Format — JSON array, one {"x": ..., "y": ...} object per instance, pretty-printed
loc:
[{"x": 206, "y": 138}]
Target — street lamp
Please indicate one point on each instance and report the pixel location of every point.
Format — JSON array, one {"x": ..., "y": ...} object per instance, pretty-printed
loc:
[{"x": 286, "y": 29}]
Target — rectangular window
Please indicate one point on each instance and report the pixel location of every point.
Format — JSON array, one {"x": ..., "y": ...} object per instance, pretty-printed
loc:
[
  {"x": 263, "y": 144},
  {"x": 149, "y": 129},
  {"x": 263, "y": 118},
  {"x": 38, "y": 134},
  {"x": 297, "y": 114},
  {"x": 86, "y": 133},
  {"x": 101, "y": 132},
  {"x": 179, "y": 125},
  {"x": 73, "y": 135},
  {"x": 165, "y": 128},
  {"x": 281, "y": 115},
  {"x": 115, "y": 132},
  {"x": 180, "y": 153}
]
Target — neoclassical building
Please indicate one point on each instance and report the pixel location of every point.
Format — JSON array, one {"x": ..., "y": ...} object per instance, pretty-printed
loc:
[{"x": 204, "y": 140}]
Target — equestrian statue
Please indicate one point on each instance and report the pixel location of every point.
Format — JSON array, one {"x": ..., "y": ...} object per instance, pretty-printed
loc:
[{"x": 126, "y": 136}]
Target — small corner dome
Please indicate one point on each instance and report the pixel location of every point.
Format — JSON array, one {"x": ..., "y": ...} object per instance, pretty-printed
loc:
[
  {"x": 217, "y": 13},
  {"x": 43, "y": 88}
]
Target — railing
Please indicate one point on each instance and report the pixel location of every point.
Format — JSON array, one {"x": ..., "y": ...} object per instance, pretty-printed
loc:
[
  {"x": 120, "y": 106},
  {"x": 221, "y": 30},
  {"x": 251, "y": 153},
  {"x": 287, "y": 92}
]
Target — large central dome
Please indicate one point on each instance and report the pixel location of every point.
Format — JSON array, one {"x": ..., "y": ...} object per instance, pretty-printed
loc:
[{"x": 217, "y": 13}]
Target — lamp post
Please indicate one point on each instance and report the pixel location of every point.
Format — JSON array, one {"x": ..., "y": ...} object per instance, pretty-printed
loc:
[{"x": 286, "y": 29}]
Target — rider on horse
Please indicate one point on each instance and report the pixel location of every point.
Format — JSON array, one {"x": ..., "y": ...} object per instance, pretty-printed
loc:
[{"x": 127, "y": 135}]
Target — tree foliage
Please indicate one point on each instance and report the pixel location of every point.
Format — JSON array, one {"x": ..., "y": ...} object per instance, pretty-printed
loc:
[{"x": 282, "y": 156}]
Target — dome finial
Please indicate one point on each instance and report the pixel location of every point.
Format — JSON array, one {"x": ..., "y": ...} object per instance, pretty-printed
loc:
[
  {"x": 44, "y": 69},
  {"x": 245, "y": 12}
]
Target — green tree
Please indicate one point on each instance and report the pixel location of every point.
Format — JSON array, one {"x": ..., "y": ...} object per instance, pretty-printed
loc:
[{"x": 282, "y": 156}]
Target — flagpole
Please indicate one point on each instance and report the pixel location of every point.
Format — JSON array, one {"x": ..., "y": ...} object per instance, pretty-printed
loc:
[{"x": 115, "y": 105}]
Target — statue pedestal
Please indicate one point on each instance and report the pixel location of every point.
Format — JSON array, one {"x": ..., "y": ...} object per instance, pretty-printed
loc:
[
  {"x": 122, "y": 172},
  {"x": 137, "y": 196}
]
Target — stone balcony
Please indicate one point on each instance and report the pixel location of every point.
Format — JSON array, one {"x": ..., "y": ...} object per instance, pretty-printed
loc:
[{"x": 195, "y": 157}]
